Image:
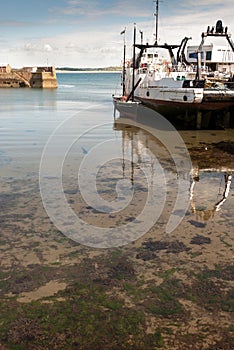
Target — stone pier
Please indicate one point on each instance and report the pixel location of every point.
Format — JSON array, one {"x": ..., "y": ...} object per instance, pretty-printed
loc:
[{"x": 34, "y": 77}]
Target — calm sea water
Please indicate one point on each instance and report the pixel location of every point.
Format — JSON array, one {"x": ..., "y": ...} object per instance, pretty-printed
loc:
[{"x": 29, "y": 116}]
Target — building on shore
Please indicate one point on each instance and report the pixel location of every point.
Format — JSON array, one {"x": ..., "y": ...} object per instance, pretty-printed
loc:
[{"x": 34, "y": 77}]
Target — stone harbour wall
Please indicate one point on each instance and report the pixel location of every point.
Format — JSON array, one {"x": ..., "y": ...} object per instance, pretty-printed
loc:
[
  {"x": 42, "y": 78},
  {"x": 45, "y": 80}
]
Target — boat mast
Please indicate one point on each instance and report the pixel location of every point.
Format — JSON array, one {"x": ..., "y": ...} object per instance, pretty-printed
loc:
[
  {"x": 156, "y": 22},
  {"x": 124, "y": 60}
]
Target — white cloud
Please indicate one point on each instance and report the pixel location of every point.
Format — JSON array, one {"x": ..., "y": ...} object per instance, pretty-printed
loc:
[
  {"x": 48, "y": 48},
  {"x": 36, "y": 47},
  {"x": 97, "y": 42}
]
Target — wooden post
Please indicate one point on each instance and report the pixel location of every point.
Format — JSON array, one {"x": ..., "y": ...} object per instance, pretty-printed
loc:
[
  {"x": 226, "y": 118},
  {"x": 199, "y": 119}
]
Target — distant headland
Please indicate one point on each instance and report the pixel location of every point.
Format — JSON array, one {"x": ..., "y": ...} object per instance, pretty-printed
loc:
[{"x": 80, "y": 70}]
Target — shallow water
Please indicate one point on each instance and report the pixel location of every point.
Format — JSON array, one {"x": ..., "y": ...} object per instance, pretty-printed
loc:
[
  {"x": 95, "y": 175},
  {"x": 67, "y": 124}
]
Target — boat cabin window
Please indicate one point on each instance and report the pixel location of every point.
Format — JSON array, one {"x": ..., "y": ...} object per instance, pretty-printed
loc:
[
  {"x": 208, "y": 55},
  {"x": 150, "y": 55}
]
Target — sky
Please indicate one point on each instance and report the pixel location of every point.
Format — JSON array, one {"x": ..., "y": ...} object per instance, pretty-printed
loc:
[{"x": 86, "y": 33}]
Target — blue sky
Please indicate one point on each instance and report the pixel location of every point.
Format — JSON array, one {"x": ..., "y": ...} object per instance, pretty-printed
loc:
[{"x": 80, "y": 33}]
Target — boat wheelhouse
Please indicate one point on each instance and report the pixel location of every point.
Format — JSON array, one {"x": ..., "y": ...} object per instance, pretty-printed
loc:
[{"x": 215, "y": 58}]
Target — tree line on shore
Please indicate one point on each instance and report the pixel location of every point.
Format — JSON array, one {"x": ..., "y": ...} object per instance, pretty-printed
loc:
[{"x": 70, "y": 69}]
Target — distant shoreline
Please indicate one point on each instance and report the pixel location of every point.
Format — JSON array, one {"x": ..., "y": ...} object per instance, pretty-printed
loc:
[{"x": 87, "y": 71}]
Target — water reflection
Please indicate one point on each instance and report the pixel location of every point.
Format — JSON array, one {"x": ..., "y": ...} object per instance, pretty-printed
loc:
[
  {"x": 204, "y": 214},
  {"x": 211, "y": 168}
]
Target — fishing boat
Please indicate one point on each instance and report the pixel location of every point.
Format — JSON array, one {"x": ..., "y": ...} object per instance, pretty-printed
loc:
[{"x": 175, "y": 83}]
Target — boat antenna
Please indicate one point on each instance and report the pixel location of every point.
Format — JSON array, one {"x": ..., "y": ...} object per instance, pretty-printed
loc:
[
  {"x": 124, "y": 59},
  {"x": 156, "y": 21}
]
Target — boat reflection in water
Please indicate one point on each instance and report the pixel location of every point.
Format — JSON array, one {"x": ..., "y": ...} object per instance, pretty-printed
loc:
[
  {"x": 204, "y": 214},
  {"x": 207, "y": 182}
]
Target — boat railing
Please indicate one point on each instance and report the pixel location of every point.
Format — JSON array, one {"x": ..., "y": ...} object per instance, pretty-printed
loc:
[{"x": 168, "y": 67}]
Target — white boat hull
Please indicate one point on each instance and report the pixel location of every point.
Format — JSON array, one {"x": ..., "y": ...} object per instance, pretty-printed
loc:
[
  {"x": 164, "y": 95},
  {"x": 125, "y": 108}
]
